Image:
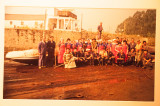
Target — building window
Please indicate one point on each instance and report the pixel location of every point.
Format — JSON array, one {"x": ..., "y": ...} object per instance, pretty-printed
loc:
[
  {"x": 61, "y": 24},
  {"x": 36, "y": 24}
]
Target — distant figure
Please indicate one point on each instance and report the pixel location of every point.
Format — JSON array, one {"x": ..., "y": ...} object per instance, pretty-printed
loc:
[
  {"x": 100, "y": 28},
  {"x": 51, "y": 50},
  {"x": 42, "y": 47}
]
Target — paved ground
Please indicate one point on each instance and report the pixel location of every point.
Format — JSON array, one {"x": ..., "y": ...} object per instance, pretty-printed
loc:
[{"x": 127, "y": 83}]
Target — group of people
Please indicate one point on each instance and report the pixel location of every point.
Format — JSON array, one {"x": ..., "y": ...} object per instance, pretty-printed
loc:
[
  {"x": 103, "y": 52},
  {"x": 81, "y": 52},
  {"x": 46, "y": 47}
]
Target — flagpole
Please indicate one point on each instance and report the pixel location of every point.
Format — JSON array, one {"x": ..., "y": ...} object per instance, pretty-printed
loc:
[
  {"x": 55, "y": 52},
  {"x": 44, "y": 22}
]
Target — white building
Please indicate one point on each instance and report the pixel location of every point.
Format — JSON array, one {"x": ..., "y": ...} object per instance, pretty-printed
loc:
[{"x": 52, "y": 19}]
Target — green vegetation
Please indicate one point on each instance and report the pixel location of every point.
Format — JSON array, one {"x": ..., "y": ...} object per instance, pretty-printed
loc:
[{"x": 141, "y": 23}]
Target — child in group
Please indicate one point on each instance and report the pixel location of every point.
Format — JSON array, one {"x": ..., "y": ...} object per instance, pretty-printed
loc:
[
  {"x": 69, "y": 60},
  {"x": 121, "y": 58}
]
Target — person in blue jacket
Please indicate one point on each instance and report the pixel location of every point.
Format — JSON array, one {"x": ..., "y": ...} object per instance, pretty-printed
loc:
[{"x": 42, "y": 47}]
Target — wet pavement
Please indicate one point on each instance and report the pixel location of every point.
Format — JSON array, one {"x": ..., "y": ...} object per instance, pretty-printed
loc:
[{"x": 128, "y": 83}]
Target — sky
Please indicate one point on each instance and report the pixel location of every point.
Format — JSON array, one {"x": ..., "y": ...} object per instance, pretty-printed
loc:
[{"x": 91, "y": 17}]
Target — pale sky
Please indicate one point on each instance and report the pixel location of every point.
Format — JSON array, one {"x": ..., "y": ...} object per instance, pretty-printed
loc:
[{"x": 91, "y": 18}]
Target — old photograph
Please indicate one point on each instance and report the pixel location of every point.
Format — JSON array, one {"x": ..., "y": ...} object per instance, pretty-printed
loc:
[{"x": 62, "y": 53}]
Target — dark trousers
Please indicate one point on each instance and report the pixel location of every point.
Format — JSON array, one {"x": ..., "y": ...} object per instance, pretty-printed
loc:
[
  {"x": 147, "y": 65},
  {"x": 121, "y": 62},
  {"x": 42, "y": 60},
  {"x": 131, "y": 60},
  {"x": 50, "y": 58},
  {"x": 102, "y": 61},
  {"x": 110, "y": 61}
]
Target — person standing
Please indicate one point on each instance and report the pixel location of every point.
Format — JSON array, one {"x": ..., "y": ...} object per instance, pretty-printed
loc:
[
  {"x": 138, "y": 53},
  {"x": 68, "y": 44},
  {"x": 113, "y": 49},
  {"x": 100, "y": 46},
  {"x": 74, "y": 46},
  {"x": 61, "y": 51},
  {"x": 79, "y": 44},
  {"x": 94, "y": 45},
  {"x": 88, "y": 45},
  {"x": 42, "y": 47},
  {"x": 51, "y": 50},
  {"x": 145, "y": 46},
  {"x": 100, "y": 28},
  {"x": 132, "y": 44},
  {"x": 125, "y": 49}
]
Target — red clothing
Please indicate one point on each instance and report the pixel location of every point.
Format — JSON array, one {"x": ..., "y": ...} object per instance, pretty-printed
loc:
[
  {"x": 79, "y": 46},
  {"x": 101, "y": 47},
  {"x": 61, "y": 52},
  {"x": 89, "y": 46},
  {"x": 118, "y": 48},
  {"x": 68, "y": 45},
  {"x": 108, "y": 46},
  {"x": 113, "y": 50},
  {"x": 74, "y": 47},
  {"x": 125, "y": 50}
]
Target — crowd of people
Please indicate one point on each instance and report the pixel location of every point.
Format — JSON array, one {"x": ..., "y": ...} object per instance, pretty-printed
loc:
[{"x": 78, "y": 53}]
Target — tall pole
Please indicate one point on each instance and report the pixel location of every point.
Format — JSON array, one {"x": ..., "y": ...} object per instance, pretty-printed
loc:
[
  {"x": 44, "y": 23},
  {"x": 55, "y": 52},
  {"x": 81, "y": 24}
]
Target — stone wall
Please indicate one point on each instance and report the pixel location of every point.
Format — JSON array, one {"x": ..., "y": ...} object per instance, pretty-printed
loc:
[{"x": 21, "y": 39}]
